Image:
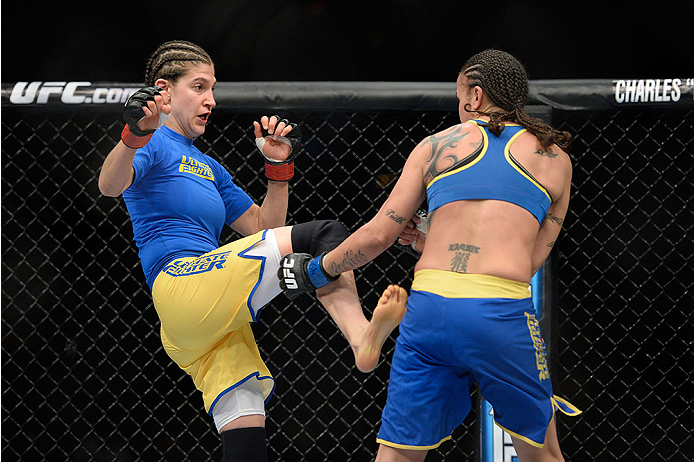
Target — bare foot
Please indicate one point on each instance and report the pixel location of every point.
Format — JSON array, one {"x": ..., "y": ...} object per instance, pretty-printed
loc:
[{"x": 387, "y": 315}]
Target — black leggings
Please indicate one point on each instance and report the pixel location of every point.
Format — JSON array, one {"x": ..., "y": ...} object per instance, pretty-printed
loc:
[
  {"x": 247, "y": 444},
  {"x": 316, "y": 237}
]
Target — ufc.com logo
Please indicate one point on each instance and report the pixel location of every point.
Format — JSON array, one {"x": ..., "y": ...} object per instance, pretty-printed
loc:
[{"x": 68, "y": 93}]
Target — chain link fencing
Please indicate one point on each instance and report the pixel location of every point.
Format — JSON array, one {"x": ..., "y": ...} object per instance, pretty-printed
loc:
[{"x": 84, "y": 376}]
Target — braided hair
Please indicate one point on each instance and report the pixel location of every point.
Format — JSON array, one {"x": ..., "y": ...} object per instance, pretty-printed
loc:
[
  {"x": 171, "y": 59},
  {"x": 505, "y": 81}
]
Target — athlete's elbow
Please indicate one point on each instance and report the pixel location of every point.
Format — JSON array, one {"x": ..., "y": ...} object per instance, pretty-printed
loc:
[
  {"x": 537, "y": 262},
  {"x": 380, "y": 239},
  {"x": 109, "y": 189},
  {"x": 534, "y": 270}
]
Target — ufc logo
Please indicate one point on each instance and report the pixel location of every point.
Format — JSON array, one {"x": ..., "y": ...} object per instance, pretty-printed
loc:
[{"x": 287, "y": 275}]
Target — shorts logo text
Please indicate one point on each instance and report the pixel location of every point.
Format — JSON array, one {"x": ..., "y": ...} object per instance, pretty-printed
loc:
[
  {"x": 539, "y": 343},
  {"x": 199, "y": 265}
]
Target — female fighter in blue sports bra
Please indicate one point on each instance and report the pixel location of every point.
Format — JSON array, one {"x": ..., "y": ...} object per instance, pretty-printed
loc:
[
  {"x": 497, "y": 187},
  {"x": 206, "y": 296}
]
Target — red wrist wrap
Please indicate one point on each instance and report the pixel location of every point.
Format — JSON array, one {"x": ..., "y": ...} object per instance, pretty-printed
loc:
[
  {"x": 133, "y": 141},
  {"x": 279, "y": 172}
]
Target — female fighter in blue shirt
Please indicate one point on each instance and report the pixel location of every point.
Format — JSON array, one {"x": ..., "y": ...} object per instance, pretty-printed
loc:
[{"x": 206, "y": 296}]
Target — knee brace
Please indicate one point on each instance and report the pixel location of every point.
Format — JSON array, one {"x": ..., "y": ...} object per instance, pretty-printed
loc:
[
  {"x": 316, "y": 237},
  {"x": 247, "y": 444}
]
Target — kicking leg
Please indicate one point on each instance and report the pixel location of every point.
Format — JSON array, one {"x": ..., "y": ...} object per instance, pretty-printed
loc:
[
  {"x": 386, "y": 316},
  {"x": 340, "y": 298},
  {"x": 341, "y": 301}
]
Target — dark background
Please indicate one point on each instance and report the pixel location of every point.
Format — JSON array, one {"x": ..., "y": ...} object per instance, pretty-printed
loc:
[
  {"x": 84, "y": 375},
  {"x": 394, "y": 40}
]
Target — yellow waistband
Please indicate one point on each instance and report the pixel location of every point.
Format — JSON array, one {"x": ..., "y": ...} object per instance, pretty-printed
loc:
[{"x": 461, "y": 285}]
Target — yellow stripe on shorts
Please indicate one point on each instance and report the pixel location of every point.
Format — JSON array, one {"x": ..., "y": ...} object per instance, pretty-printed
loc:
[
  {"x": 416, "y": 448},
  {"x": 450, "y": 284}
]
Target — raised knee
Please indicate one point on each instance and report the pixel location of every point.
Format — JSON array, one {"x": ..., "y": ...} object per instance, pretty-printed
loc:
[{"x": 316, "y": 237}]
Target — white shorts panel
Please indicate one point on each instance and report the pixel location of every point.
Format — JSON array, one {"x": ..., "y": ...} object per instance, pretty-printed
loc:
[{"x": 245, "y": 399}]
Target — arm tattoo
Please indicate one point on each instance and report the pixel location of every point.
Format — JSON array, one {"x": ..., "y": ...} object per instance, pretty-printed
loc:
[
  {"x": 546, "y": 153},
  {"x": 551, "y": 244},
  {"x": 555, "y": 219},
  {"x": 462, "y": 255},
  {"x": 390, "y": 213},
  {"x": 442, "y": 155},
  {"x": 350, "y": 260}
]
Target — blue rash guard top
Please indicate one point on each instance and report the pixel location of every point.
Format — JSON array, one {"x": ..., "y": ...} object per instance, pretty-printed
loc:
[
  {"x": 491, "y": 172},
  {"x": 179, "y": 201}
]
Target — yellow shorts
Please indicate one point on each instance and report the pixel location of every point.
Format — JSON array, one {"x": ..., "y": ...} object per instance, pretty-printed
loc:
[{"x": 206, "y": 304}]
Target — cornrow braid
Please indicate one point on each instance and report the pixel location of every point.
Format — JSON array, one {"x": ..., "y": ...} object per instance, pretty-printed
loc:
[
  {"x": 504, "y": 79},
  {"x": 171, "y": 59}
]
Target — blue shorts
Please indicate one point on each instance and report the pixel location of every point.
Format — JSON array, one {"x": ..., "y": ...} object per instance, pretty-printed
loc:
[{"x": 459, "y": 329}]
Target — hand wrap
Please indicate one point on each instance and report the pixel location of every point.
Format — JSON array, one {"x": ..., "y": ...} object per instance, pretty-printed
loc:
[
  {"x": 422, "y": 226},
  {"x": 131, "y": 135},
  {"x": 300, "y": 273},
  {"x": 281, "y": 170}
]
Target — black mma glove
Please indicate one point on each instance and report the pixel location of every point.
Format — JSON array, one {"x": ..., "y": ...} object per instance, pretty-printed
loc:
[
  {"x": 300, "y": 273},
  {"x": 132, "y": 136},
  {"x": 281, "y": 170}
]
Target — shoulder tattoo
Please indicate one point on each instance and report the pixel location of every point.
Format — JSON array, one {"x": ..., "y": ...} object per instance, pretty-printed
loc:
[
  {"x": 442, "y": 153},
  {"x": 547, "y": 153}
]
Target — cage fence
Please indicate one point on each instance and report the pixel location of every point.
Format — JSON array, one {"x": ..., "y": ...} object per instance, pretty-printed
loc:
[{"x": 84, "y": 376}]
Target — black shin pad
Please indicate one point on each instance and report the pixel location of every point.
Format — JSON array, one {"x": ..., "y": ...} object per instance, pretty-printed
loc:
[
  {"x": 248, "y": 444},
  {"x": 316, "y": 237}
]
